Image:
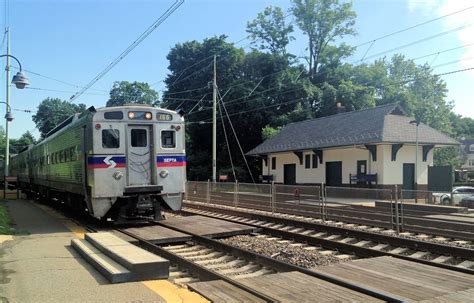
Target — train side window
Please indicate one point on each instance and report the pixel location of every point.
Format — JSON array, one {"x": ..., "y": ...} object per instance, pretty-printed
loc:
[
  {"x": 139, "y": 138},
  {"x": 110, "y": 138},
  {"x": 48, "y": 160},
  {"x": 72, "y": 153},
  {"x": 167, "y": 139},
  {"x": 66, "y": 155},
  {"x": 61, "y": 156}
]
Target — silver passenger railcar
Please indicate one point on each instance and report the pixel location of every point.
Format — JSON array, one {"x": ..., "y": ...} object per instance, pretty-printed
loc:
[{"x": 121, "y": 163}]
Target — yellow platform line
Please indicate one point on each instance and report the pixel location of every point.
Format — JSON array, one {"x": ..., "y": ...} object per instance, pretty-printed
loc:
[
  {"x": 172, "y": 293},
  {"x": 73, "y": 227}
]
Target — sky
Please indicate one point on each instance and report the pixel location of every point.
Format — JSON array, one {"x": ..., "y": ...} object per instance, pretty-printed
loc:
[{"x": 68, "y": 42}]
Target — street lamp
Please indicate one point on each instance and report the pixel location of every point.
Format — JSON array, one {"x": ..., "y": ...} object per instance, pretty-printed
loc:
[
  {"x": 21, "y": 81},
  {"x": 417, "y": 123},
  {"x": 8, "y": 115}
]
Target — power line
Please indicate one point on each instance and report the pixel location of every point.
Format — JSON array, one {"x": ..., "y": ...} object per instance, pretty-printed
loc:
[
  {"x": 131, "y": 47},
  {"x": 452, "y": 62},
  {"x": 455, "y": 71},
  {"x": 443, "y": 51},
  {"x": 414, "y": 26},
  {"x": 295, "y": 101},
  {"x": 60, "y": 91},
  {"x": 418, "y": 41},
  {"x": 57, "y": 80}
]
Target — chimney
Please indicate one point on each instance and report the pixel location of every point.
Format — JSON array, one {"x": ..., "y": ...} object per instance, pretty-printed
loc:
[{"x": 340, "y": 108}]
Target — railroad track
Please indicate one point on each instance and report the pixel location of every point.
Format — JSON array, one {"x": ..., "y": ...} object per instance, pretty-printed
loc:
[
  {"x": 205, "y": 259},
  {"x": 351, "y": 241},
  {"x": 413, "y": 221},
  {"x": 454, "y": 238}
]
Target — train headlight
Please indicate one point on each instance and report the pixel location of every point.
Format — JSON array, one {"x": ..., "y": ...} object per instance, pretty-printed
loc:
[
  {"x": 118, "y": 175},
  {"x": 164, "y": 173}
]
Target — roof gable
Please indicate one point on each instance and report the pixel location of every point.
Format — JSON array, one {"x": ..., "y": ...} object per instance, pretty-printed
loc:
[{"x": 372, "y": 125}]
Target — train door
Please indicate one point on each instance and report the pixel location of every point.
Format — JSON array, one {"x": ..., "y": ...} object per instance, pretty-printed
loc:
[{"x": 139, "y": 155}]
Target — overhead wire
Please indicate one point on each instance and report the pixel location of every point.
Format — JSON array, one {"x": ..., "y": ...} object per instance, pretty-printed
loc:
[
  {"x": 131, "y": 47},
  {"x": 418, "y": 41},
  {"x": 299, "y": 100},
  {"x": 226, "y": 140},
  {"x": 415, "y": 26},
  {"x": 236, "y": 138}
]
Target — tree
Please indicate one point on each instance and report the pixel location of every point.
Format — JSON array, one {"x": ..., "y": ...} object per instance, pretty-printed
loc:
[
  {"x": 16, "y": 145},
  {"x": 52, "y": 111},
  {"x": 124, "y": 92},
  {"x": 324, "y": 21},
  {"x": 269, "y": 31}
]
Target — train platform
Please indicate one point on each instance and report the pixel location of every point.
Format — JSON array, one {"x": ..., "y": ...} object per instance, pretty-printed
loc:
[
  {"x": 413, "y": 281},
  {"x": 37, "y": 264}
]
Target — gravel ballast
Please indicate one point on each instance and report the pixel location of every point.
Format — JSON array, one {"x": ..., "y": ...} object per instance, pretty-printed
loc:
[{"x": 285, "y": 252}]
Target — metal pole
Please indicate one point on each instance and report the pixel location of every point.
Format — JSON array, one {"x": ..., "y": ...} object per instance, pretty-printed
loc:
[
  {"x": 7, "y": 139},
  {"x": 214, "y": 122},
  {"x": 397, "y": 219},
  {"x": 416, "y": 164}
]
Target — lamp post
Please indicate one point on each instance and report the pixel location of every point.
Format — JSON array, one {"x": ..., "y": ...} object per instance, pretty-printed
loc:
[
  {"x": 417, "y": 123},
  {"x": 21, "y": 81}
]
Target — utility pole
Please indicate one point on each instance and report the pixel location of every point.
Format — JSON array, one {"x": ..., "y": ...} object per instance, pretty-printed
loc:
[
  {"x": 214, "y": 122},
  {"x": 7, "y": 145}
]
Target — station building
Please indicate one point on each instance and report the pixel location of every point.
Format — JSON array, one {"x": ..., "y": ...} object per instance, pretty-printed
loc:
[{"x": 372, "y": 147}]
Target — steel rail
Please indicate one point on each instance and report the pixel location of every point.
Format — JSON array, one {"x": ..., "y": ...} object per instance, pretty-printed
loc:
[
  {"x": 286, "y": 267},
  {"x": 460, "y": 252},
  {"x": 376, "y": 217},
  {"x": 203, "y": 273}
]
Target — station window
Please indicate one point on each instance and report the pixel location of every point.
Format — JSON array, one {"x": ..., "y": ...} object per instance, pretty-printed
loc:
[
  {"x": 110, "y": 138},
  {"x": 307, "y": 161},
  {"x": 139, "y": 137},
  {"x": 167, "y": 139},
  {"x": 274, "y": 163},
  {"x": 315, "y": 161}
]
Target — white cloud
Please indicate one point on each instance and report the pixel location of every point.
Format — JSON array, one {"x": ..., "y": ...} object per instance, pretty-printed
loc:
[
  {"x": 438, "y": 8},
  {"x": 426, "y": 7},
  {"x": 464, "y": 97},
  {"x": 466, "y": 35}
]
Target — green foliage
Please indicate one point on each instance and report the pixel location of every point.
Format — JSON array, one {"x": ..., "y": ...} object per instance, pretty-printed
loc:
[
  {"x": 270, "y": 132},
  {"x": 269, "y": 31},
  {"x": 5, "y": 221},
  {"x": 463, "y": 127},
  {"x": 16, "y": 145},
  {"x": 447, "y": 156},
  {"x": 124, "y": 92},
  {"x": 263, "y": 90},
  {"x": 324, "y": 21},
  {"x": 52, "y": 111}
]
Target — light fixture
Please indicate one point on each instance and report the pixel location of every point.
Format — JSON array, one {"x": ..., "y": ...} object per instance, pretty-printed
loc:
[
  {"x": 9, "y": 117},
  {"x": 20, "y": 80}
]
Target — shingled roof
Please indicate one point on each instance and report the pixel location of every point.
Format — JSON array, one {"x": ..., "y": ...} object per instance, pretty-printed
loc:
[{"x": 381, "y": 124}]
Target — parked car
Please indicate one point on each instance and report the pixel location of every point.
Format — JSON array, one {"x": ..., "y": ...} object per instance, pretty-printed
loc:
[
  {"x": 458, "y": 194},
  {"x": 467, "y": 202}
]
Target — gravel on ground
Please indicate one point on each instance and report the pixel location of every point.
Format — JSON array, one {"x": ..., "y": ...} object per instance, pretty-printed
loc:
[{"x": 285, "y": 252}]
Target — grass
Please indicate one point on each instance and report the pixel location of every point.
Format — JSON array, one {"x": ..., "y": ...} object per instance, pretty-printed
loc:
[{"x": 5, "y": 221}]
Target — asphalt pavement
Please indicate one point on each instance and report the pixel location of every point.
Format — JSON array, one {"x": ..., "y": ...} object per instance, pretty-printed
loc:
[{"x": 39, "y": 265}]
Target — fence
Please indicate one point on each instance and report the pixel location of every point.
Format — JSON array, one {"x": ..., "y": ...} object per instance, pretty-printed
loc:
[{"x": 318, "y": 201}]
